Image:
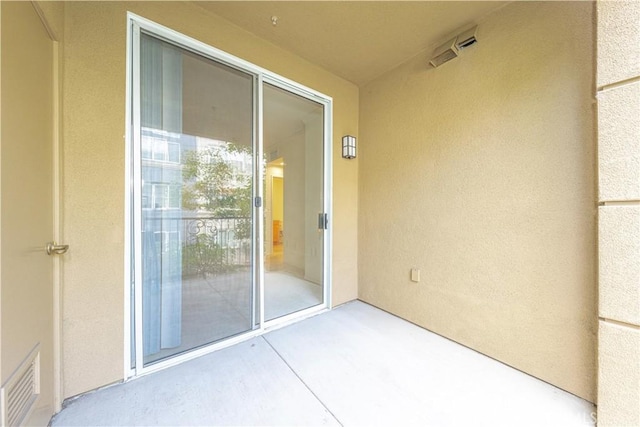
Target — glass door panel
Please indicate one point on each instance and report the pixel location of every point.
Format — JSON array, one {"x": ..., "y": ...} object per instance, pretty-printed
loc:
[
  {"x": 195, "y": 200},
  {"x": 293, "y": 236}
]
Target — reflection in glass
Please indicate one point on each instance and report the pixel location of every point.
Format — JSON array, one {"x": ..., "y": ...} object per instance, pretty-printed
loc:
[
  {"x": 294, "y": 140},
  {"x": 196, "y": 172}
]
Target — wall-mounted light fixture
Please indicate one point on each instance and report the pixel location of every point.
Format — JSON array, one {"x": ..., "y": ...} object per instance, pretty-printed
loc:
[{"x": 349, "y": 147}]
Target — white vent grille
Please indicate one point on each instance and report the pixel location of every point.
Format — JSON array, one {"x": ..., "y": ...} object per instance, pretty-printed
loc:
[
  {"x": 21, "y": 391},
  {"x": 444, "y": 53}
]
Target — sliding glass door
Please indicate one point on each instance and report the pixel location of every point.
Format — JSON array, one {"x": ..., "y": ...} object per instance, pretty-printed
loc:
[
  {"x": 294, "y": 202},
  {"x": 229, "y": 209},
  {"x": 196, "y": 191}
]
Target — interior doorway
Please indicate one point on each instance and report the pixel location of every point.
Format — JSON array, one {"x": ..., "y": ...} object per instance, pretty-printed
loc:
[
  {"x": 274, "y": 215},
  {"x": 277, "y": 207}
]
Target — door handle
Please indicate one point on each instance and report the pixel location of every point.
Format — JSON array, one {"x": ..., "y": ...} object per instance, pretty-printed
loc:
[
  {"x": 323, "y": 221},
  {"x": 54, "y": 249}
]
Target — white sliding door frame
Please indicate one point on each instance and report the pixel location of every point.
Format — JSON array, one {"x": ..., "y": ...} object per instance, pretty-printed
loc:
[
  {"x": 326, "y": 102},
  {"x": 133, "y": 199}
]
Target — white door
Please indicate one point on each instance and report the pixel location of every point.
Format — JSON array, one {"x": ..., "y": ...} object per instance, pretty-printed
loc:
[{"x": 26, "y": 215}]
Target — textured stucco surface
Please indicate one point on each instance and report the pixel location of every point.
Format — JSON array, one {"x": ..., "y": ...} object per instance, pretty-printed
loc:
[
  {"x": 94, "y": 149},
  {"x": 618, "y": 41},
  {"x": 619, "y": 375},
  {"x": 619, "y": 246},
  {"x": 619, "y": 143},
  {"x": 481, "y": 173},
  {"x": 618, "y": 96}
]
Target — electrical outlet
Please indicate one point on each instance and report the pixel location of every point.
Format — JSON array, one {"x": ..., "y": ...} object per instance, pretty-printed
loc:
[{"x": 415, "y": 275}]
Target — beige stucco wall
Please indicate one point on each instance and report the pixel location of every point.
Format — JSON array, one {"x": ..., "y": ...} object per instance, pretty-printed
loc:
[
  {"x": 481, "y": 174},
  {"x": 94, "y": 149},
  {"x": 618, "y": 95}
]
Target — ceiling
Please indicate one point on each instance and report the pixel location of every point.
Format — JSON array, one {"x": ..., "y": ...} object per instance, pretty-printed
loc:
[
  {"x": 356, "y": 40},
  {"x": 285, "y": 114}
]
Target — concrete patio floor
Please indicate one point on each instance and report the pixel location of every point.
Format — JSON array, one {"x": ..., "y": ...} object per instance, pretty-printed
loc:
[{"x": 355, "y": 365}]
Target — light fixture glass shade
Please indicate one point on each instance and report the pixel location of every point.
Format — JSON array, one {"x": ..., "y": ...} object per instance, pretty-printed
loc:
[{"x": 349, "y": 147}]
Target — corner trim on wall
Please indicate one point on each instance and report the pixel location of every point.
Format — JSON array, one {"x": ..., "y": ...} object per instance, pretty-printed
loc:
[
  {"x": 44, "y": 20},
  {"x": 57, "y": 232}
]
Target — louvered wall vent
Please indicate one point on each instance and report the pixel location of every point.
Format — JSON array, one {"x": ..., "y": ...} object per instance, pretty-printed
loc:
[
  {"x": 452, "y": 48},
  {"x": 19, "y": 394},
  {"x": 444, "y": 53}
]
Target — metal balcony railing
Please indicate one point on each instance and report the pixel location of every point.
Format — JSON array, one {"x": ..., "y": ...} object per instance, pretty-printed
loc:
[{"x": 206, "y": 244}]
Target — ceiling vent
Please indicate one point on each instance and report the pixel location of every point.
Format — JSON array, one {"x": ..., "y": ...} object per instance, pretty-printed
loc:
[
  {"x": 451, "y": 49},
  {"x": 466, "y": 39},
  {"x": 444, "y": 53}
]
